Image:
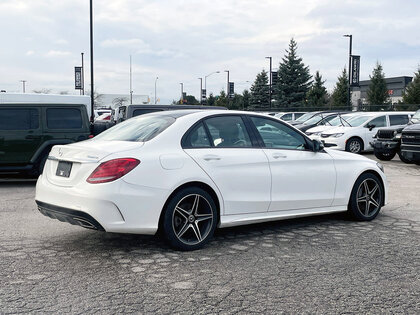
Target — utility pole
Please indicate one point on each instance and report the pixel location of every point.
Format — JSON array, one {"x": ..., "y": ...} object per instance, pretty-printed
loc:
[
  {"x": 270, "y": 87},
  {"x": 82, "y": 91},
  {"x": 92, "y": 88},
  {"x": 23, "y": 85},
  {"x": 349, "y": 87},
  {"x": 155, "y": 89},
  {"x": 201, "y": 91},
  {"x": 131, "y": 84},
  {"x": 182, "y": 93},
  {"x": 227, "y": 90}
]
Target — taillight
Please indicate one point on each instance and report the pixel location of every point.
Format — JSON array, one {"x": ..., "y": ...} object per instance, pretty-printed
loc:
[{"x": 112, "y": 170}]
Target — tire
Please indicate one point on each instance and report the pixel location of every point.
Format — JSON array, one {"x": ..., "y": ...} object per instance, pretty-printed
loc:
[
  {"x": 366, "y": 198},
  {"x": 354, "y": 145},
  {"x": 403, "y": 159},
  {"x": 190, "y": 218},
  {"x": 388, "y": 156}
]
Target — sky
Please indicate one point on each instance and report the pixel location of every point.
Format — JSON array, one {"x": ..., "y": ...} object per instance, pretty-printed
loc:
[{"x": 183, "y": 40}]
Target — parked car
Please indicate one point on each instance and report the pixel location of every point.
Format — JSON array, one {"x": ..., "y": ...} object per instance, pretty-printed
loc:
[
  {"x": 99, "y": 112},
  {"x": 358, "y": 136},
  {"x": 289, "y": 116},
  {"x": 387, "y": 142},
  {"x": 410, "y": 141},
  {"x": 321, "y": 119},
  {"x": 28, "y": 132},
  {"x": 127, "y": 111},
  {"x": 338, "y": 121},
  {"x": 309, "y": 115},
  {"x": 188, "y": 172}
]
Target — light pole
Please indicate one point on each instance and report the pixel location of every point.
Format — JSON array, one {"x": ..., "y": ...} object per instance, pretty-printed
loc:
[
  {"x": 83, "y": 77},
  {"x": 349, "y": 87},
  {"x": 205, "y": 78},
  {"x": 23, "y": 85},
  {"x": 182, "y": 93},
  {"x": 269, "y": 91},
  {"x": 92, "y": 115},
  {"x": 201, "y": 90},
  {"x": 155, "y": 89},
  {"x": 131, "y": 83},
  {"x": 227, "y": 90}
]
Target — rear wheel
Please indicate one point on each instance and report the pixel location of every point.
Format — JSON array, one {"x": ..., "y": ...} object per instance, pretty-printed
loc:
[
  {"x": 366, "y": 198},
  {"x": 354, "y": 145},
  {"x": 402, "y": 158},
  {"x": 190, "y": 219},
  {"x": 385, "y": 156}
]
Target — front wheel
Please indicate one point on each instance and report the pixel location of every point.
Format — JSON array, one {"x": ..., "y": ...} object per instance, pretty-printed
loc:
[
  {"x": 354, "y": 145},
  {"x": 190, "y": 219},
  {"x": 385, "y": 156},
  {"x": 366, "y": 198}
]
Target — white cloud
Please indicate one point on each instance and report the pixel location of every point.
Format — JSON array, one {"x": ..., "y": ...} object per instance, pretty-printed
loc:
[
  {"x": 57, "y": 53},
  {"x": 30, "y": 53},
  {"x": 127, "y": 43}
]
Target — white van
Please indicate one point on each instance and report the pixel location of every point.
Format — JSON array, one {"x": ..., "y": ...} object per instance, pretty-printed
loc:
[{"x": 357, "y": 137}]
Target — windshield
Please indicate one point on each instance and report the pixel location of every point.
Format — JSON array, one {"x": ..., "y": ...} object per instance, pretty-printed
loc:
[
  {"x": 313, "y": 120},
  {"x": 358, "y": 120},
  {"x": 143, "y": 128},
  {"x": 337, "y": 121},
  {"x": 416, "y": 118},
  {"x": 305, "y": 117}
]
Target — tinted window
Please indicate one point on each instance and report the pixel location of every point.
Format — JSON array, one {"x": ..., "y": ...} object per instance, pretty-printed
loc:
[
  {"x": 19, "y": 118},
  {"x": 142, "y": 111},
  {"x": 277, "y": 135},
  {"x": 398, "y": 120},
  {"x": 377, "y": 122},
  {"x": 287, "y": 116},
  {"x": 197, "y": 138},
  {"x": 143, "y": 128},
  {"x": 64, "y": 118},
  {"x": 228, "y": 131},
  {"x": 298, "y": 115}
]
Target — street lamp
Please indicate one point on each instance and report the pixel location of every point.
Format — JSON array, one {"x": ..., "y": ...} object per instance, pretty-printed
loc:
[
  {"x": 23, "y": 85},
  {"x": 349, "y": 87},
  {"x": 182, "y": 93},
  {"x": 201, "y": 91},
  {"x": 92, "y": 89},
  {"x": 155, "y": 88},
  {"x": 269, "y": 91},
  {"x": 205, "y": 79}
]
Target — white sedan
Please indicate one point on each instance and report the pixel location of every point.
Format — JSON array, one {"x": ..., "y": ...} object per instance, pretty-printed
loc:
[{"x": 188, "y": 172}]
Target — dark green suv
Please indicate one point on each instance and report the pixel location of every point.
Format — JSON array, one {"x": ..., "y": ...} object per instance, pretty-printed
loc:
[{"x": 28, "y": 131}]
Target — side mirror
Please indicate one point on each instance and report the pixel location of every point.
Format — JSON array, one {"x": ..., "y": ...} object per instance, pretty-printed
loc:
[
  {"x": 317, "y": 145},
  {"x": 370, "y": 127}
]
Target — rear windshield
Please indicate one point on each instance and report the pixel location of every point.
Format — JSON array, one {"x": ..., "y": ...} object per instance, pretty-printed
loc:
[{"x": 142, "y": 129}]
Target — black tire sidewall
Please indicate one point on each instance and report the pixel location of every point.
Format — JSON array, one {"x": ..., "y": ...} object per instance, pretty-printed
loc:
[
  {"x": 348, "y": 145},
  {"x": 382, "y": 157},
  {"x": 403, "y": 159},
  {"x": 167, "y": 230},
  {"x": 353, "y": 208}
]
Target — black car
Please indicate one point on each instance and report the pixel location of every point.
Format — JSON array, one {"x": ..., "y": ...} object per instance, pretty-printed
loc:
[
  {"x": 320, "y": 119},
  {"x": 389, "y": 141}
]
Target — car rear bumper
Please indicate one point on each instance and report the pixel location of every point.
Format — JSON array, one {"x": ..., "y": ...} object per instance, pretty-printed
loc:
[{"x": 118, "y": 207}]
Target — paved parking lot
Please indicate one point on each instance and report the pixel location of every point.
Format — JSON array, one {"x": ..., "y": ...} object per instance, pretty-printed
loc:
[{"x": 323, "y": 264}]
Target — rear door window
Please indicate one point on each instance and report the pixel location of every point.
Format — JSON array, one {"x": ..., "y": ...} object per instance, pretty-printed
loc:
[
  {"x": 64, "y": 118},
  {"x": 228, "y": 132},
  {"x": 398, "y": 120},
  {"x": 378, "y": 122},
  {"x": 19, "y": 118}
]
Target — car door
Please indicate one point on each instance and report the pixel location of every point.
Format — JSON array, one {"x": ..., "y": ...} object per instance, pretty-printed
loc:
[
  {"x": 20, "y": 134},
  {"x": 371, "y": 129},
  {"x": 301, "y": 178},
  {"x": 222, "y": 147}
]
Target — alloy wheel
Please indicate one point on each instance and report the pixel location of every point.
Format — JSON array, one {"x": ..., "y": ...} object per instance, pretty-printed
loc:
[
  {"x": 354, "y": 146},
  {"x": 368, "y": 197},
  {"x": 192, "y": 219}
]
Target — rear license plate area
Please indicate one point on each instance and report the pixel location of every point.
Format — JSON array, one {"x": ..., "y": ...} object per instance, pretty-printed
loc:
[{"x": 63, "y": 169}]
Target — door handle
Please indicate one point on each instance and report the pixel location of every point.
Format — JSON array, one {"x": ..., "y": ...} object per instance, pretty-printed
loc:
[
  {"x": 32, "y": 137},
  {"x": 279, "y": 155},
  {"x": 211, "y": 157}
]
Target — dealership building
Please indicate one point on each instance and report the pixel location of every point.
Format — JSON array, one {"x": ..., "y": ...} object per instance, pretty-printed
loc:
[{"x": 396, "y": 86}]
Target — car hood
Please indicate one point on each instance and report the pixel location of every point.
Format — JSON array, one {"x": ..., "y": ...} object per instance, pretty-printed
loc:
[
  {"x": 414, "y": 127},
  {"x": 320, "y": 128},
  {"x": 343, "y": 155},
  {"x": 337, "y": 130}
]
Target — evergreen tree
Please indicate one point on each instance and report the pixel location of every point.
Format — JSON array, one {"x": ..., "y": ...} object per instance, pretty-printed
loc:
[
  {"x": 260, "y": 91},
  {"x": 412, "y": 94},
  {"x": 221, "y": 100},
  {"x": 377, "y": 93},
  {"x": 317, "y": 95},
  {"x": 246, "y": 99},
  {"x": 340, "y": 93},
  {"x": 293, "y": 80},
  {"x": 211, "y": 100}
]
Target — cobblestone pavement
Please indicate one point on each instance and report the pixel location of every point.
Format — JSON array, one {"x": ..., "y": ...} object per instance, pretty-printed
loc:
[{"x": 323, "y": 264}]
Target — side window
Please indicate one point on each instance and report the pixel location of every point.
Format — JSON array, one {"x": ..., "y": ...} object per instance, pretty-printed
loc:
[
  {"x": 377, "y": 122},
  {"x": 287, "y": 117},
  {"x": 398, "y": 120},
  {"x": 228, "y": 131},
  {"x": 19, "y": 118},
  {"x": 297, "y": 115},
  {"x": 277, "y": 135},
  {"x": 64, "y": 118},
  {"x": 197, "y": 138},
  {"x": 326, "y": 120}
]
